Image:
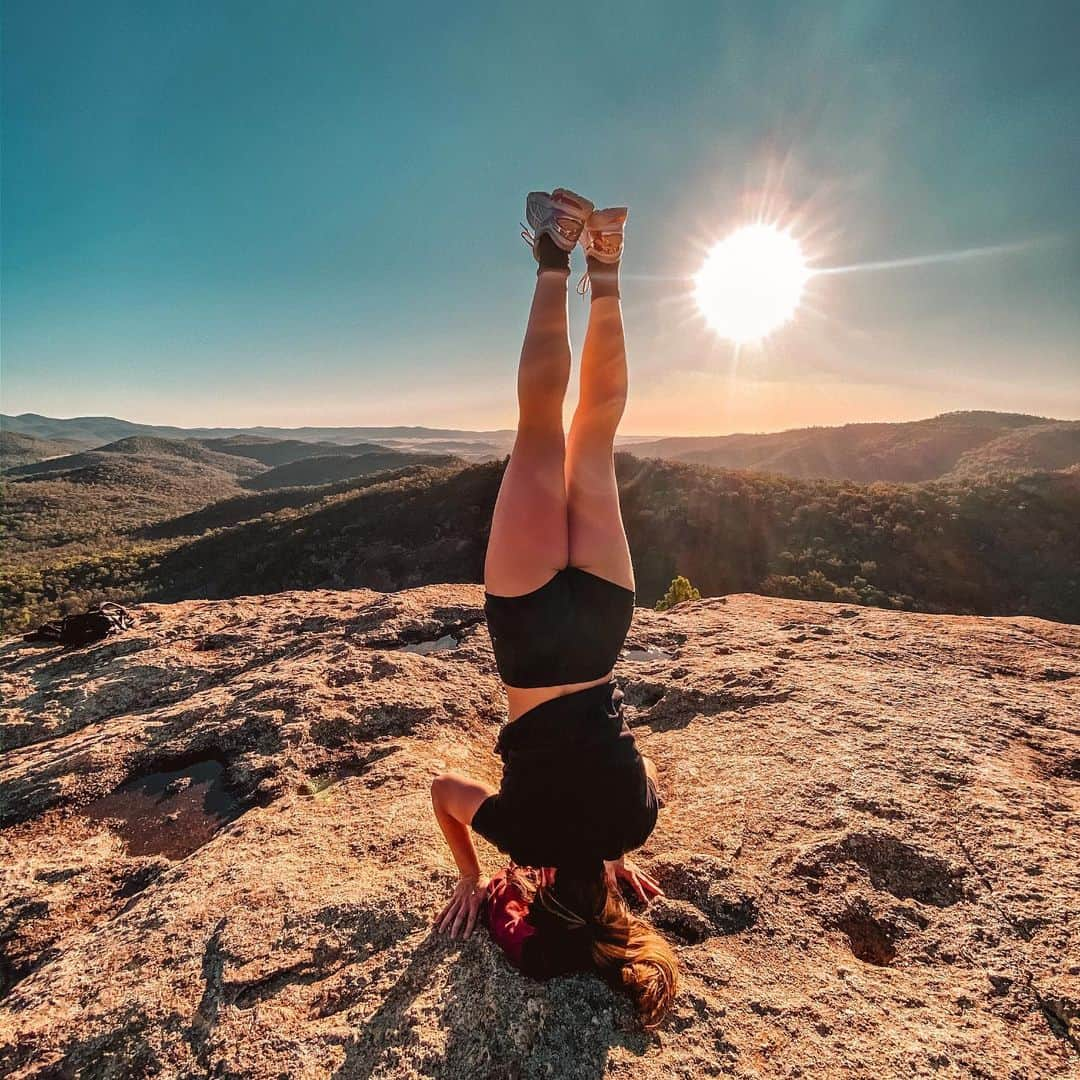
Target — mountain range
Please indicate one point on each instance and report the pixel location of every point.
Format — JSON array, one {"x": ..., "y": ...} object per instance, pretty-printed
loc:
[
  {"x": 254, "y": 462},
  {"x": 994, "y": 528},
  {"x": 960, "y": 445},
  {"x": 92, "y": 431}
]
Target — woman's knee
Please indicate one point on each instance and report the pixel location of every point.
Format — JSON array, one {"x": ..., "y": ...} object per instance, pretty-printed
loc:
[
  {"x": 597, "y": 416},
  {"x": 543, "y": 386}
]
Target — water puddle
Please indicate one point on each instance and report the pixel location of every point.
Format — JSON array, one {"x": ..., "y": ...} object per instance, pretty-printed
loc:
[
  {"x": 651, "y": 653},
  {"x": 423, "y": 648},
  {"x": 169, "y": 813}
]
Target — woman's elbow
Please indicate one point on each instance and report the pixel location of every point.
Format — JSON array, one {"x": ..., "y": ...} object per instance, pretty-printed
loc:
[{"x": 438, "y": 788}]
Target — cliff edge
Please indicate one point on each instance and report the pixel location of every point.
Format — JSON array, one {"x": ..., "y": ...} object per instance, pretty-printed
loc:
[{"x": 217, "y": 855}]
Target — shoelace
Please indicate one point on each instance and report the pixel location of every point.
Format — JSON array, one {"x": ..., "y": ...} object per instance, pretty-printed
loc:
[{"x": 529, "y": 237}]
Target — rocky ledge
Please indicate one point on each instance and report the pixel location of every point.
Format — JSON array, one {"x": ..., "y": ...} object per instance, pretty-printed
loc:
[{"x": 217, "y": 856}]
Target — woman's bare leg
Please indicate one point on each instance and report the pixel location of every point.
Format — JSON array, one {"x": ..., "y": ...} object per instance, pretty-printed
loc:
[
  {"x": 529, "y": 540},
  {"x": 597, "y": 539}
]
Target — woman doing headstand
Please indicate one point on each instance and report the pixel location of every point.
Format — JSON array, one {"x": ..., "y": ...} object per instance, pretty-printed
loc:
[{"x": 576, "y": 795}]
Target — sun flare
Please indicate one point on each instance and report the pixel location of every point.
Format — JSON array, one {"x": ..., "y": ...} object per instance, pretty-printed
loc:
[{"x": 751, "y": 283}]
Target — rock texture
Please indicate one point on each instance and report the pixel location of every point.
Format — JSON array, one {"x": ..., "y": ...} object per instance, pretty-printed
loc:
[{"x": 218, "y": 857}]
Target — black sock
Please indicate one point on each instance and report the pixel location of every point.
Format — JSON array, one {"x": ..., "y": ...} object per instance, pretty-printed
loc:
[
  {"x": 603, "y": 278},
  {"x": 551, "y": 256}
]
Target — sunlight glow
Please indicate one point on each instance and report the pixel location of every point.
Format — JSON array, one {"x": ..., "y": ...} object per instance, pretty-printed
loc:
[{"x": 751, "y": 283}]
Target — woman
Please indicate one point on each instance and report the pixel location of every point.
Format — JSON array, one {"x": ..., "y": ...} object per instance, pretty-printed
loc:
[{"x": 559, "y": 595}]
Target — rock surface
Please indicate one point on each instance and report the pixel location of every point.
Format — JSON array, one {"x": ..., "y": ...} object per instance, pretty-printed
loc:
[{"x": 218, "y": 856}]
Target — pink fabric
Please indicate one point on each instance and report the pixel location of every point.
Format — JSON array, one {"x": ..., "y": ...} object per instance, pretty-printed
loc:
[{"x": 506, "y": 912}]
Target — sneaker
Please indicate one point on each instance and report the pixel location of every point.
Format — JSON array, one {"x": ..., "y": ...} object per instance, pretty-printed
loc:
[
  {"x": 562, "y": 215},
  {"x": 602, "y": 237}
]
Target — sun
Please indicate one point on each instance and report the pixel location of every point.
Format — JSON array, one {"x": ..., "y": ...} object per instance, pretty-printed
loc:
[{"x": 751, "y": 283}]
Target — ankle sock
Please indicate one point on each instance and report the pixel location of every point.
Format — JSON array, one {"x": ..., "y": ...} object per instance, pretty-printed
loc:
[
  {"x": 550, "y": 256},
  {"x": 603, "y": 278}
]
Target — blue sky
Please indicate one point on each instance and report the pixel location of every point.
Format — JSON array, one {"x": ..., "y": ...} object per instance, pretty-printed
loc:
[{"x": 306, "y": 213}]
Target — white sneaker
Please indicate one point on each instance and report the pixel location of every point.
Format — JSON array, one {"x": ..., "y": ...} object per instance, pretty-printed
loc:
[
  {"x": 602, "y": 237},
  {"x": 562, "y": 215}
]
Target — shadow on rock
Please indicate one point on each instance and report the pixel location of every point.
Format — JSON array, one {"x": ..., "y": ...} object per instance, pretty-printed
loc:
[{"x": 492, "y": 1015}]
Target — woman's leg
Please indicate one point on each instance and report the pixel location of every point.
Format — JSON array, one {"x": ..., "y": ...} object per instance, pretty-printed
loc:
[
  {"x": 528, "y": 542},
  {"x": 597, "y": 539}
]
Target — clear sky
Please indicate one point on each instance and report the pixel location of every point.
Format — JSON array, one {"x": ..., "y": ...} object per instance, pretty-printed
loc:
[{"x": 299, "y": 213}]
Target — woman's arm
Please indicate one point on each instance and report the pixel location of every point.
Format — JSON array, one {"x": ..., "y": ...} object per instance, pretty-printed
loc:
[{"x": 455, "y": 800}]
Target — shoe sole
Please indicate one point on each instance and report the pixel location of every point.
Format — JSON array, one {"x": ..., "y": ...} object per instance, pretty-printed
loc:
[
  {"x": 568, "y": 211},
  {"x": 617, "y": 217}
]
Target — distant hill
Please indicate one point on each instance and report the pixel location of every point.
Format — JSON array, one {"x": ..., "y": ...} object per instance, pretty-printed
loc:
[
  {"x": 325, "y": 470},
  {"x": 16, "y": 449},
  {"x": 274, "y": 452},
  {"x": 164, "y": 454},
  {"x": 1053, "y": 445},
  {"x": 81, "y": 504},
  {"x": 283, "y": 451},
  {"x": 961, "y": 445},
  {"x": 96, "y": 430},
  {"x": 93, "y": 430},
  {"x": 467, "y": 448},
  {"x": 969, "y": 444}
]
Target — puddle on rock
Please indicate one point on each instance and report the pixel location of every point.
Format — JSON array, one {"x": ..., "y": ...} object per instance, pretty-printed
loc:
[
  {"x": 447, "y": 641},
  {"x": 651, "y": 653},
  {"x": 169, "y": 813}
]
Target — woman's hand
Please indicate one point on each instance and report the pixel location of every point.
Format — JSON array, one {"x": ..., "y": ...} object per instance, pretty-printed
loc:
[
  {"x": 625, "y": 869},
  {"x": 464, "y": 906}
]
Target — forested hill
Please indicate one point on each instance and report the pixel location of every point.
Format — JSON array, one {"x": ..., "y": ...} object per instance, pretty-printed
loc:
[
  {"x": 960, "y": 445},
  {"x": 17, "y": 450},
  {"x": 1006, "y": 546}
]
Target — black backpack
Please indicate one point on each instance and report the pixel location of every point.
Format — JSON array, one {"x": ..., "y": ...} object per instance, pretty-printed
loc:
[{"x": 84, "y": 627}]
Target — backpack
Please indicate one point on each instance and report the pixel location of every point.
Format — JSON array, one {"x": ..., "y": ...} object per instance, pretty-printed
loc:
[{"x": 85, "y": 627}]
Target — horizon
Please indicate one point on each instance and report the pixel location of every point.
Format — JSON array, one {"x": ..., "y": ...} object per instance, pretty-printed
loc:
[
  {"x": 452, "y": 430},
  {"x": 262, "y": 219}
]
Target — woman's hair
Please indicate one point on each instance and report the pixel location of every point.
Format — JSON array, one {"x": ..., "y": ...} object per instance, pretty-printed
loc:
[{"x": 582, "y": 924}]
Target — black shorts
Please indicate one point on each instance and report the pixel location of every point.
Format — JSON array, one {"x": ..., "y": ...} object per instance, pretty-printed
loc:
[
  {"x": 574, "y": 789},
  {"x": 570, "y": 630}
]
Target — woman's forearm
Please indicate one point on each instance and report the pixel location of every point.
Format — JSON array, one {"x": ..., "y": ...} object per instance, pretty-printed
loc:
[
  {"x": 455, "y": 800},
  {"x": 460, "y": 841}
]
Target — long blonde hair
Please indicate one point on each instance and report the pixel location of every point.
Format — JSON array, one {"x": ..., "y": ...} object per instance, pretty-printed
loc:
[{"x": 581, "y": 918}]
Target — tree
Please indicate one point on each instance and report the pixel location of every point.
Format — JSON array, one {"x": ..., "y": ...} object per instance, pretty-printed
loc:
[{"x": 679, "y": 590}]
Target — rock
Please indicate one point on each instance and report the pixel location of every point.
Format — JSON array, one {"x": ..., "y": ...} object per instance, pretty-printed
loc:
[
  {"x": 217, "y": 855},
  {"x": 680, "y": 919}
]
